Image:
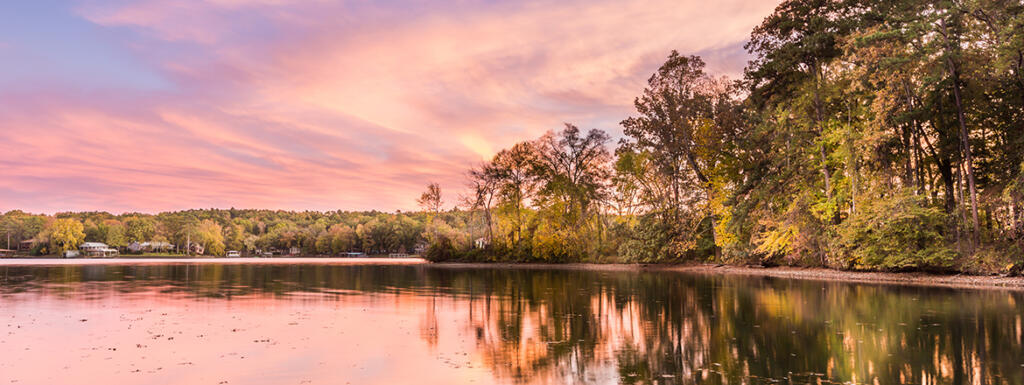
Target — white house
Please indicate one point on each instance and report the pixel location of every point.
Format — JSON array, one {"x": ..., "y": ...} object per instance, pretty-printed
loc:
[
  {"x": 421, "y": 247},
  {"x": 137, "y": 247},
  {"x": 481, "y": 243},
  {"x": 158, "y": 246},
  {"x": 97, "y": 249}
]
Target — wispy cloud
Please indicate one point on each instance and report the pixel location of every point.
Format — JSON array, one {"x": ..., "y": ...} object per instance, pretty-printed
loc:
[{"x": 326, "y": 105}]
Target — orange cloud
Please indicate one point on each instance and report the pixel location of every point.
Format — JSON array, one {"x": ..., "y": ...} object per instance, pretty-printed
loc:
[{"x": 328, "y": 105}]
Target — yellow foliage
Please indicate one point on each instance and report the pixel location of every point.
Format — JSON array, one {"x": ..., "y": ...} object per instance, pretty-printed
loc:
[{"x": 776, "y": 242}]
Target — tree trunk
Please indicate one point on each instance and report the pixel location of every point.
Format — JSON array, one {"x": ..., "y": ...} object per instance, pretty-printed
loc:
[
  {"x": 675, "y": 191},
  {"x": 965, "y": 140},
  {"x": 1015, "y": 223},
  {"x": 703, "y": 179},
  {"x": 819, "y": 121},
  {"x": 714, "y": 231},
  {"x": 919, "y": 162},
  {"x": 966, "y": 146},
  {"x": 908, "y": 171},
  {"x": 851, "y": 162},
  {"x": 961, "y": 208},
  {"x": 490, "y": 226},
  {"x": 946, "y": 172}
]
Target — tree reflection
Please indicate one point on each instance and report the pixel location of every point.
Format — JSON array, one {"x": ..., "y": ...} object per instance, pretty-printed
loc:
[
  {"x": 566, "y": 325},
  {"x": 677, "y": 328}
]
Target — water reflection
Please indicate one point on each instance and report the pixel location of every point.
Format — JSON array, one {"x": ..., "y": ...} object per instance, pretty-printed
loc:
[{"x": 562, "y": 325}]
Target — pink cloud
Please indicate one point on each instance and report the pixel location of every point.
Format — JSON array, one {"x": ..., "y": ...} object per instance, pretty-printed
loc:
[{"x": 328, "y": 105}]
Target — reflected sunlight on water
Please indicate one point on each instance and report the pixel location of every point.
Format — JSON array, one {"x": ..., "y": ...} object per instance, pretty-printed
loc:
[{"x": 429, "y": 324}]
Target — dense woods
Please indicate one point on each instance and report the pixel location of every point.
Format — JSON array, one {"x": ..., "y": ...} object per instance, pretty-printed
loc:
[{"x": 864, "y": 134}]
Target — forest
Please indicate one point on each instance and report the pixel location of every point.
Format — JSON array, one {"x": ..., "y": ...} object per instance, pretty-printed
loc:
[{"x": 863, "y": 134}]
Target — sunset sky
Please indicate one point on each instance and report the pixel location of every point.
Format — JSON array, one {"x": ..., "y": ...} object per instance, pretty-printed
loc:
[{"x": 156, "y": 105}]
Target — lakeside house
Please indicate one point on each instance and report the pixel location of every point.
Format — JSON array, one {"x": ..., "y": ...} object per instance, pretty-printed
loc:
[
  {"x": 97, "y": 249},
  {"x": 26, "y": 245},
  {"x": 157, "y": 247},
  {"x": 420, "y": 248},
  {"x": 196, "y": 249},
  {"x": 269, "y": 252},
  {"x": 481, "y": 243},
  {"x": 294, "y": 251}
]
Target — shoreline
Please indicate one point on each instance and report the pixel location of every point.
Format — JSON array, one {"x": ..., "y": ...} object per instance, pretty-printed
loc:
[
  {"x": 956, "y": 281},
  {"x": 953, "y": 281}
]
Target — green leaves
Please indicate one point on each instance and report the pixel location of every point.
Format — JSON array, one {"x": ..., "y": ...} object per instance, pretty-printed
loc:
[{"x": 896, "y": 233}]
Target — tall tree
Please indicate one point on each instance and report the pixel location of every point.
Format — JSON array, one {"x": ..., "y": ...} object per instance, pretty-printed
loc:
[
  {"x": 574, "y": 168},
  {"x": 514, "y": 172},
  {"x": 686, "y": 121},
  {"x": 431, "y": 199},
  {"x": 66, "y": 234}
]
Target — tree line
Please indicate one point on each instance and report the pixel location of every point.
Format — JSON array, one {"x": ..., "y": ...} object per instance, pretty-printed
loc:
[
  {"x": 217, "y": 231},
  {"x": 864, "y": 134}
]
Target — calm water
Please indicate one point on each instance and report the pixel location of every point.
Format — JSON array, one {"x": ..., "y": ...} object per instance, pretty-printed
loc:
[{"x": 423, "y": 324}]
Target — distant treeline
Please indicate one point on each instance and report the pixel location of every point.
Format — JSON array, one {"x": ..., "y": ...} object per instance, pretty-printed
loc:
[
  {"x": 314, "y": 233},
  {"x": 864, "y": 134}
]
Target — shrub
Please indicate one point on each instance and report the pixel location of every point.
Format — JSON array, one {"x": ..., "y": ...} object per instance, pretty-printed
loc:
[
  {"x": 441, "y": 251},
  {"x": 900, "y": 232},
  {"x": 797, "y": 237},
  {"x": 653, "y": 239}
]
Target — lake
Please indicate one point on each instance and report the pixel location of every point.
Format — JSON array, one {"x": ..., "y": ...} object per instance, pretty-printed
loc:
[{"x": 365, "y": 323}]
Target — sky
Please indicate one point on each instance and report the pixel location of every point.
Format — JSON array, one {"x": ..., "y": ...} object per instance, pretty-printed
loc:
[{"x": 160, "y": 105}]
